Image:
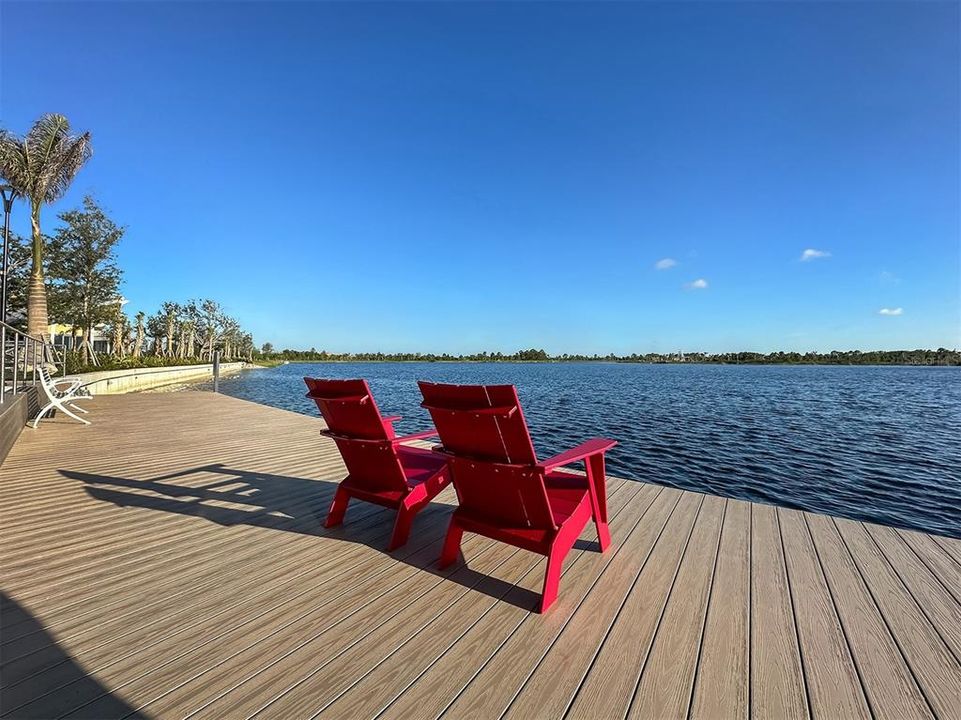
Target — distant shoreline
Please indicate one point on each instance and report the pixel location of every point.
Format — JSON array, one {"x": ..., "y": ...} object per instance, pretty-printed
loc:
[
  {"x": 596, "y": 362},
  {"x": 917, "y": 357}
]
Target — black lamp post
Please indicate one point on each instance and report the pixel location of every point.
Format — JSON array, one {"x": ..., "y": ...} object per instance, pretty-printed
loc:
[{"x": 8, "y": 194}]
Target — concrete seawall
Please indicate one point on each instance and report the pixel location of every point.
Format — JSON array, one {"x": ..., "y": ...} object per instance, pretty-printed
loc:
[{"x": 118, "y": 382}]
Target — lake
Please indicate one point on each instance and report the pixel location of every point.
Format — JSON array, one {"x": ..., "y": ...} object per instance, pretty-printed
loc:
[{"x": 881, "y": 444}]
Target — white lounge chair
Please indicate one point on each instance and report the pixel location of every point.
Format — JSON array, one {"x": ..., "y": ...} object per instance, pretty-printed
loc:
[{"x": 61, "y": 392}]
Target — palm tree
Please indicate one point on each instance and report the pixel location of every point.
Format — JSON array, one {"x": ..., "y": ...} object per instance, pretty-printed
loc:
[{"x": 40, "y": 167}]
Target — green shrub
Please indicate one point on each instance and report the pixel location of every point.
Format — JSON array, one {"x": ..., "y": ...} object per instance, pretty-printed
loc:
[{"x": 75, "y": 365}]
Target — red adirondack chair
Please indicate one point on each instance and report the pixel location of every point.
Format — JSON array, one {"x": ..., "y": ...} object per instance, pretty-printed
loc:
[
  {"x": 505, "y": 493},
  {"x": 380, "y": 469}
]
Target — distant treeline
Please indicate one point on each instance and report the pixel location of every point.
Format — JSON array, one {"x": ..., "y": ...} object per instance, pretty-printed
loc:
[{"x": 941, "y": 356}]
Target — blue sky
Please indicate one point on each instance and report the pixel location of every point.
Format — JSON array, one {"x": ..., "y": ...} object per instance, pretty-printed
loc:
[{"x": 458, "y": 177}]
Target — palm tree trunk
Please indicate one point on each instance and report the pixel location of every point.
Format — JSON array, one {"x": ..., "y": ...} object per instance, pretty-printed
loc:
[{"x": 37, "y": 324}]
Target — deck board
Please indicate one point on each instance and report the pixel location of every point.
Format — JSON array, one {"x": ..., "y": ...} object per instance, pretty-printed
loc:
[
  {"x": 833, "y": 684},
  {"x": 889, "y": 685},
  {"x": 667, "y": 680},
  {"x": 558, "y": 675},
  {"x": 169, "y": 562},
  {"x": 722, "y": 682},
  {"x": 778, "y": 684}
]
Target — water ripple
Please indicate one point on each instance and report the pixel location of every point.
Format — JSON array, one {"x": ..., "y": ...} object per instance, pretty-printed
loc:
[{"x": 872, "y": 443}]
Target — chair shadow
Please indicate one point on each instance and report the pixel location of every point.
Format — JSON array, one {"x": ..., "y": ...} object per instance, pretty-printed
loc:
[
  {"x": 297, "y": 505},
  {"x": 41, "y": 684},
  {"x": 280, "y": 502}
]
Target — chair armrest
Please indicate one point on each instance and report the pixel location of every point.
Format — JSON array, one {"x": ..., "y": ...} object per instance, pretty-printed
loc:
[
  {"x": 67, "y": 387},
  {"x": 594, "y": 446},
  {"x": 388, "y": 423},
  {"x": 416, "y": 436}
]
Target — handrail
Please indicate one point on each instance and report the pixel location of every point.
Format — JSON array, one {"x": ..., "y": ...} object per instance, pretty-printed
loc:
[{"x": 20, "y": 356}]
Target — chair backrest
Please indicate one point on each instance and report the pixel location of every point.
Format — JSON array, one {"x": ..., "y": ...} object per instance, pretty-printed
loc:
[
  {"x": 493, "y": 464},
  {"x": 356, "y": 425},
  {"x": 46, "y": 381}
]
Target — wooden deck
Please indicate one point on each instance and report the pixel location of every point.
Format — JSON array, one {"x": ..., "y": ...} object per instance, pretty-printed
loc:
[{"x": 169, "y": 562}]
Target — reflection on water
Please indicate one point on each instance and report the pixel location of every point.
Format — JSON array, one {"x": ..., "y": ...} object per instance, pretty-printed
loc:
[{"x": 872, "y": 443}]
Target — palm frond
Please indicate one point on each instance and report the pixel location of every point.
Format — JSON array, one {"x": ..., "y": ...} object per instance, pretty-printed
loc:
[
  {"x": 51, "y": 157},
  {"x": 74, "y": 153},
  {"x": 13, "y": 161}
]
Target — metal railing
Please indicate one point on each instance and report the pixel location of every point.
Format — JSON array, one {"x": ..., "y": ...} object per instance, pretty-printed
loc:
[{"x": 20, "y": 360}]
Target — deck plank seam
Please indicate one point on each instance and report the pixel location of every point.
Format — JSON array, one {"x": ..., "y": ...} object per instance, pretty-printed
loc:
[
  {"x": 707, "y": 611},
  {"x": 77, "y": 536},
  {"x": 317, "y": 669},
  {"x": 586, "y": 593},
  {"x": 750, "y": 611},
  {"x": 236, "y": 685},
  {"x": 246, "y": 647},
  {"x": 884, "y": 619},
  {"x": 610, "y": 628},
  {"x": 45, "y": 492},
  {"x": 954, "y": 591},
  {"x": 442, "y": 654},
  {"x": 794, "y": 621},
  {"x": 92, "y": 514},
  {"x": 386, "y": 658},
  {"x": 448, "y": 648},
  {"x": 165, "y": 638},
  {"x": 660, "y": 616},
  {"x": 939, "y": 541},
  {"x": 161, "y": 560},
  {"x": 580, "y": 604},
  {"x": 298, "y": 618},
  {"x": 917, "y": 602},
  {"x": 837, "y": 614},
  {"x": 600, "y": 646},
  {"x": 954, "y": 552},
  {"x": 523, "y": 618},
  {"x": 44, "y": 488},
  {"x": 411, "y": 684},
  {"x": 220, "y": 548},
  {"x": 291, "y": 561}
]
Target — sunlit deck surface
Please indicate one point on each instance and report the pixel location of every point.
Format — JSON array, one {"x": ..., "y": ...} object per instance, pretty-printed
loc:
[{"x": 169, "y": 561}]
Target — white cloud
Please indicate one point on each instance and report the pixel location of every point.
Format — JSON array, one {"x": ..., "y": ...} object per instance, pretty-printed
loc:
[
  {"x": 665, "y": 264},
  {"x": 889, "y": 278},
  {"x": 812, "y": 254},
  {"x": 891, "y": 312},
  {"x": 698, "y": 284}
]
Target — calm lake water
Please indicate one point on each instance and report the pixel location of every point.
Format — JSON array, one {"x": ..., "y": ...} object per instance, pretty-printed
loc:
[{"x": 873, "y": 443}]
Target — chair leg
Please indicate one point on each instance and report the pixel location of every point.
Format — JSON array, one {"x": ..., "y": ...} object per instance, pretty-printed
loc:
[
  {"x": 405, "y": 517},
  {"x": 78, "y": 408},
  {"x": 451, "y": 544},
  {"x": 59, "y": 406},
  {"x": 74, "y": 416},
  {"x": 552, "y": 576},
  {"x": 598, "y": 492},
  {"x": 603, "y": 534},
  {"x": 337, "y": 508},
  {"x": 44, "y": 411}
]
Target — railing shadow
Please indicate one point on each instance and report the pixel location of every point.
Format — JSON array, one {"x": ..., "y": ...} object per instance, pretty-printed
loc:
[
  {"x": 39, "y": 685},
  {"x": 280, "y": 502},
  {"x": 297, "y": 505}
]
